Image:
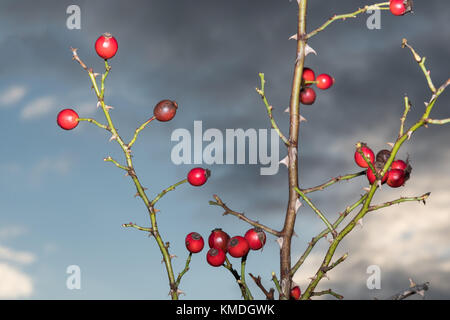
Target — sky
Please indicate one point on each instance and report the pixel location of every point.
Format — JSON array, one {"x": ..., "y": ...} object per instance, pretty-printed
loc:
[{"x": 61, "y": 205}]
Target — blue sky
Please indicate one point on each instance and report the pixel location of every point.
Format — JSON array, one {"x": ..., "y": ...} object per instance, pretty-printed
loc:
[{"x": 61, "y": 205}]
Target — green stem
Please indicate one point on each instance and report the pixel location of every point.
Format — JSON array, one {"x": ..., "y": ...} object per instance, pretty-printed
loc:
[
  {"x": 139, "y": 130},
  {"x": 172, "y": 187},
  {"x": 247, "y": 289},
  {"x": 186, "y": 269},
  {"x": 262, "y": 93},
  {"x": 317, "y": 211},
  {"x": 376, "y": 6},
  {"x": 94, "y": 122},
  {"x": 333, "y": 181}
]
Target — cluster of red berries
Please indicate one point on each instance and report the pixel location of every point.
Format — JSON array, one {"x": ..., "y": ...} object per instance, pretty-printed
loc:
[
  {"x": 220, "y": 244},
  {"x": 323, "y": 81},
  {"x": 397, "y": 174},
  {"x": 400, "y": 7}
]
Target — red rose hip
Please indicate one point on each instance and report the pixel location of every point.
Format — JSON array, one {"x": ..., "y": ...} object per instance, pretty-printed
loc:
[
  {"x": 165, "y": 110},
  {"x": 256, "y": 238},
  {"x": 218, "y": 239},
  {"x": 308, "y": 75},
  {"x": 324, "y": 81},
  {"x": 198, "y": 176},
  {"x": 368, "y": 153},
  {"x": 106, "y": 46},
  {"x": 67, "y": 119},
  {"x": 371, "y": 176},
  {"x": 194, "y": 242},
  {"x": 399, "y": 164},
  {"x": 396, "y": 178},
  {"x": 238, "y": 247},
  {"x": 215, "y": 257},
  {"x": 296, "y": 293},
  {"x": 400, "y": 7},
  {"x": 307, "y": 96}
]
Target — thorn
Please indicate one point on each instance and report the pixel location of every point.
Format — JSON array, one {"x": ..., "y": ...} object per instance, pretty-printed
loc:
[
  {"x": 309, "y": 50},
  {"x": 421, "y": 293},
  {"x": 285, "y": 161},
  {"x": 366, "y": 189},
  {"x": 113, "y": 137},
  {"x": 426, "y": 104},
  {"x": 302, "y": 119},
  {"x": 312, "y": 278},
  {"x": 280, "y": 242},
  {"x": 390, "y": 144},
  {"x": 95, "y": 74},
  {"x": 325, "y": 275},
  {"x": 409, "y": 134},
  {"x": 293, "y": 37},
  {"x": 298, "y": 204},
  {"x": 412, "y": 284},
  {"x": 179, "y": 292},
  {"x": 295, "y": 234},
  {"x": 286, "y": 110},
  {"x": 270, "y": 108},
  {"x": 379, "y": 184},
  {"x": 360, "y": 223},
  {"x": 156, "y": 210},
  {"x": 108, "y": 107},
  {"x": 99, "y": 104}
]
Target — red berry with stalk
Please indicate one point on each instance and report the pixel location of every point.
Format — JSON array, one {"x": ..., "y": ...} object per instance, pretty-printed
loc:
[
  {"x": 165, "y": 110},
  {"x": 307, "y": 96},
  {"x": 324, "y": 81},
  {"x": 238, "y": 247},
  {"x": 194, "y": 242},
  {"x": 67, "y": 119},
  {"x": 400, "y": 7},
  {"x": 106, "y": 46},
  {"x": 368, "y": 153},
  {"x": 215, "y": 257},
  {"x": 308, "y": 75},
  {"x": 256, "y": 238},
  {"x": 218, "y": 239},
  {"x": 198, "y": 176},
  {"x": 396, "y": 178},
  {"x": 296, "y": 293}
]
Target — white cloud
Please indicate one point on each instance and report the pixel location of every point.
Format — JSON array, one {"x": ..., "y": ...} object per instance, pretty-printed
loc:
[
  {"x": 21, "y": 257},
  {"x": 38, "y": 107},
  {"x": 57, "y": 164},
  {"x": 12, "y": 95},
  {"x": 11, "y": 232},
  {"x": 14, "y": 284}
]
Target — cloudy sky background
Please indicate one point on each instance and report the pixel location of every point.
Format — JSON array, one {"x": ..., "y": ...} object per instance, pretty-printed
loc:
[{"x": 61, "y": 205}]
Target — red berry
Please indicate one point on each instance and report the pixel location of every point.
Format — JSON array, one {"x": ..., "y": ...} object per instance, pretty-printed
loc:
[
  {"x": 218, "y": 239},
  {"x": 307, "y": 96},
  {"x": 324, "y": 81},
  {"x": 165, "y": 110},
  {"x": 308, "y": 75},
  {"x": 106, "y": 46},
  {"x": 238, "y": 247},
  {"x": 369, "y": 155},
  {"x": 194, "y": 242},
  {"x": 256, "y": 238},
  {"x": 67, "y": 119},
  {"x": 215, "y": 257},
  {"x": 400, "y": 7},
  {"x": 396, "y": 178},
  {"x": 399, "y": 164},
  {"x": 296, "y": 293},
  {"x": 198, "y": 176},
  {"x": 371, "y": 176}
]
